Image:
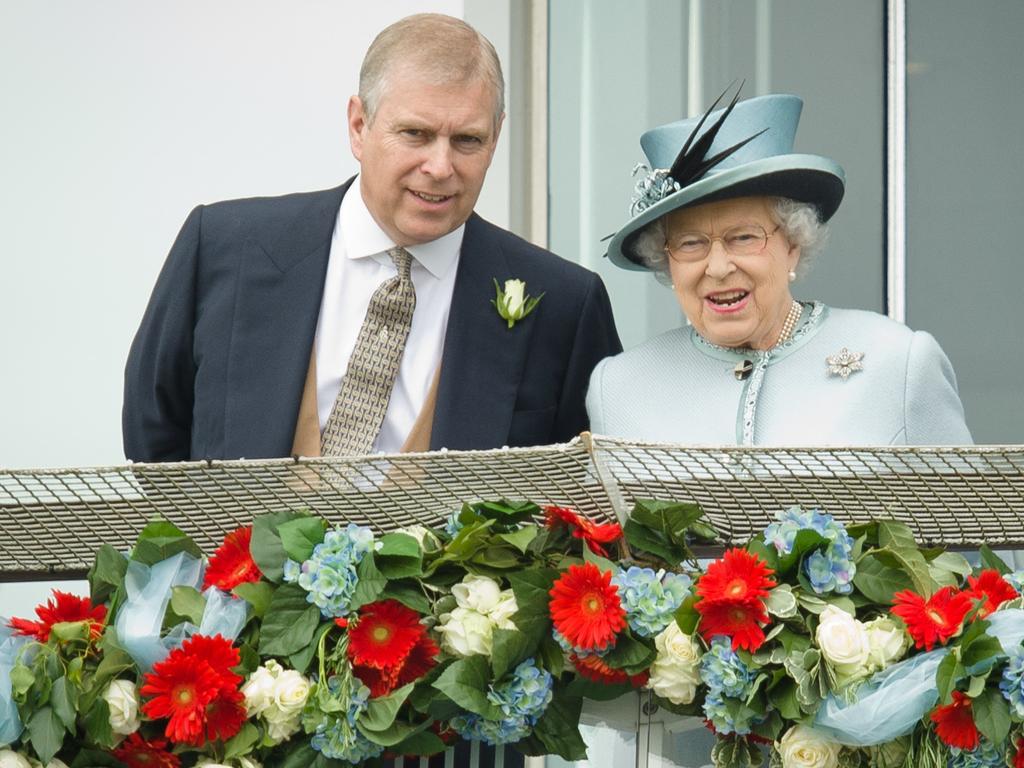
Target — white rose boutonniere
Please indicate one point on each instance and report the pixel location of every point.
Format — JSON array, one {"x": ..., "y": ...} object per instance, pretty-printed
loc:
[{"x": 513, "y": 303}]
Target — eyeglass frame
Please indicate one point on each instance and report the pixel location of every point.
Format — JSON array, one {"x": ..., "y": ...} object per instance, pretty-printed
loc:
[{"x": 721, "y": 238}]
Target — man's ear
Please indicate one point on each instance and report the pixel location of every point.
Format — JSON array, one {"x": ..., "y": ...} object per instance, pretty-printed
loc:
[{"x": 357, "y": 123}]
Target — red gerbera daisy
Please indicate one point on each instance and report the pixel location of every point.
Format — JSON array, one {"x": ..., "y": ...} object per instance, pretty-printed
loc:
[
  {"x": 62, "y": 608},
  {"x": 1018, "y": 759},
  {"x": 936, "y": 619},
  {"x": 225, "y": 715},
  {"x": 195, "y": 689},
  {"x": 136, "y": 752},
  {"x": 585, "y": 607},
  {"x": 991, "y": 589},
  {"x": 384, "y": 634},
  {"x": 954, "y": 723},
  {"x": 732, "y": 591},
  {"x": 593, "y": 668},
  {"x": 594, "y": 534},
  {"x": 741, "y": 621},
  {"x": 232, "y": 564},
  {"x": 421, "y": 659},
  {"x": 738, "y": 575}
]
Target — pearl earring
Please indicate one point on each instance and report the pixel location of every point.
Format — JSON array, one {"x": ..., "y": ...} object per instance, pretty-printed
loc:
[{"x": 792, "y": 276}]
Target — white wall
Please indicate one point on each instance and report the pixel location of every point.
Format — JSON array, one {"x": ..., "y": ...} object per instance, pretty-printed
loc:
[{"x": 119, "y": 116}]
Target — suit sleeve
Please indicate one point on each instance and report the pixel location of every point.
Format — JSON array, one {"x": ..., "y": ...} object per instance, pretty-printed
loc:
[
  {"x": 596, "y": 339},
  {"x": 156, "y": 418},
  {"x": 933, "y": 413}
]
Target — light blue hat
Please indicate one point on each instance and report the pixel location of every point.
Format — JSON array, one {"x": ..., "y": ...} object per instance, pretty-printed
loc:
[{"x": 746, "y": 150}]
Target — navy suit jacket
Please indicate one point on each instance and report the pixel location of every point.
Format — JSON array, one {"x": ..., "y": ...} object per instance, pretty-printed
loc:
[{"x": 218, "y": 365}]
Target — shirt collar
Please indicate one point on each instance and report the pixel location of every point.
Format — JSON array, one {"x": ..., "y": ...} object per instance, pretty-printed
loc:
[{"x": 363, "y": 237}]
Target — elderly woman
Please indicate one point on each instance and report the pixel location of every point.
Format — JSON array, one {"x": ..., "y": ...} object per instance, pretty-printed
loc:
[{"x": 730, "y": 224}]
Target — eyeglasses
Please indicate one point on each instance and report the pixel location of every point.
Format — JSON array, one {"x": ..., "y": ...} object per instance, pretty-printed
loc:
[{"x": 742, "y": 240}]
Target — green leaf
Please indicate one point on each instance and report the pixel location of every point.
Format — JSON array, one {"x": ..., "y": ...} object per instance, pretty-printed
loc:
[
  {"x": 687, "y": 616},
  {"x": 160, "y": 540},
  {"x": 300, "y": 536},
  {"x": 241, "y": 743},
  {"x": 805, "y": 541},
  {"x": 953, "y": 562},
  {"x": 522, "y": 538},
  {"x": 976, "y": 686},
  {"x": 992, "y": 715},
  {"x": 629, "y": 655},
  {"x": 400, "y": 556},
  {"x": 509, "y": 647},
  {"x": 530, "y": 587},
  {"x": 46, "y": 733},
  {"x": 781, "y": 602},
  {"x": 21, "y": 679},
  {"x": 65, "y": 631},
  {"x": 990, "y": 559},
  {"x": 559, "y": 727},
  {"x": 422, "y": 743},
  {"x": 106, "y": 574},
  {"x": 981, "y": 655},
  {"x": 381, "y": 712},
  {"x": 301, "y": 659},
  {"x": 187, "y": 603},
  {"x": 643, "y": 539},
  {"x": 266, "y": 547},
  {"x": 94, "y": 758},
  {"x": 370, "y": 584},
  {"x": 289, "y": 623},
  {"x": 465, "y": 682},
  {"x": 409, "y": 594},
  {"x": 64, "y": 700},
  {"x": 591, "y": 689},
  {"x": 257, "y": 594},
  {"x": 395, "y": 733},
  {"x": 603, "y": 563},
  {"x": 879, "y": 582},
  {"x": 507, "y": 513},
  {"x": 949, "y": 672},
  {"x": 552, "y": 658}
]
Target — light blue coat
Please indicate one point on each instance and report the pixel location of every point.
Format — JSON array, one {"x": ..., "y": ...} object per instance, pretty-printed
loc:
[{"x": 679, "y": 388}]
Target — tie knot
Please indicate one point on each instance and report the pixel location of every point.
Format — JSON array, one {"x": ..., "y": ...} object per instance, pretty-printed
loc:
[{"x": 403, "y": 261}]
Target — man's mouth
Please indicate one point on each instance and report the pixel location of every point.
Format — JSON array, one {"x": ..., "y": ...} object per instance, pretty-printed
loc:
[
  {"x": 727, "y": 298},
  {"x": 430, "y": 198}
]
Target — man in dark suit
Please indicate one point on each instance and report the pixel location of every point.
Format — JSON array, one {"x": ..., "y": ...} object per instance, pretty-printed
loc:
[{"x": 262, "y": 308}]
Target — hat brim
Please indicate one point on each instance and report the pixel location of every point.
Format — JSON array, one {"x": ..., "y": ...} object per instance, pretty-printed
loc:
[{"x": 804, "y": 178}]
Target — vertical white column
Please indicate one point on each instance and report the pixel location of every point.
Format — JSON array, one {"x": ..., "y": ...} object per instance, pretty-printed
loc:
[
  {"x": 763, "y": 47},
  {"x": 695, "y": 60},
  {"x": 896, "y": 161}
]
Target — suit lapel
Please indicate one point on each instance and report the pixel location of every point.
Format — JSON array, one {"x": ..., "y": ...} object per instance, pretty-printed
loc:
[
  {"x": 280, "y": 287},
  {"x": 483, "y": 358}
]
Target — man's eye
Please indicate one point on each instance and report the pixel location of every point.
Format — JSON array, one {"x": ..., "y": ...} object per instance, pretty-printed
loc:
[
  {"x": 469, "y": 141},
  {"x": 412, "y": 133}
]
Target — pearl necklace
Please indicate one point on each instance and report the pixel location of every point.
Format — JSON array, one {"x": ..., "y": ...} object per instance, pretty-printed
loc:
[{"x": 788, "y": 326}]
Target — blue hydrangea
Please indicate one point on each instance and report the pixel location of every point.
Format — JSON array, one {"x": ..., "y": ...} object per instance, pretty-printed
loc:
[
  {"x": 336, "y": 735},
  {"x": 987, "y": 755},
  {"x": 723, "y": 671},
  {"x": 727, "y": 677},
  {"x": 568, "y": 647},
  {"x": 1012, "y": 684},
  {"x": 452, "y": 525},
  {"x": 650, "y": 599},
  {"x": 828, "y": 570},
  {"x": 329, "y": 575},
  {"x": 522, "y": 698}
]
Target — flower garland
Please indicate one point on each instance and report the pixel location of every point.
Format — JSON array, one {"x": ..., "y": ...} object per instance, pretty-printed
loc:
[{"x": 816, "y": 644}]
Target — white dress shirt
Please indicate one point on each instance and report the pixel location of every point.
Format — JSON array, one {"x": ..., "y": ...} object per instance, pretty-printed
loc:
[{"x": 357, "y": 265}]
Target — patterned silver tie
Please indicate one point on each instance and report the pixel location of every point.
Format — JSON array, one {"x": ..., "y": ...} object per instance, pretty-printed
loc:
[{"x": 366, "y": 387}]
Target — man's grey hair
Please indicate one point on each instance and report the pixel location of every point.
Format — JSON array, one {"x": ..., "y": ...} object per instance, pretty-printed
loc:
[
  {"x": 798, "y": 222},
  {"x": 438, "y": 48}
]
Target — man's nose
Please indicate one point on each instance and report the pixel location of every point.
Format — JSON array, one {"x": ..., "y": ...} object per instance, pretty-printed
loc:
[{"x": 438, "y": 161}]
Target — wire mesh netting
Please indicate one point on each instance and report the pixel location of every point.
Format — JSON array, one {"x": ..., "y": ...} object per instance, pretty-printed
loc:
[{"x": 52, "y": 521}]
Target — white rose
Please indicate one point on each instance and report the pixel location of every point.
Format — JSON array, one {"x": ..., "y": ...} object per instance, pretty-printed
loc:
[
  {"x": 123, "y": 702},
  {"x": 675, "y": 673},
  {"x": 515, "y": 297},
  {"x": 504, "y": 610},
  {"x": 282, "y": 730},
  {"x": 259, "y": 688},
  {"x": 290, "y": 693},
  {"x": 465, "y": 632},
  {"x": 803, "y": 747},
  {"x": 887, "y": 642},
  {"x": 11, "y": 759},
  {"x": 477, "y": 593},
  {"x": 843, "y": 642}
]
